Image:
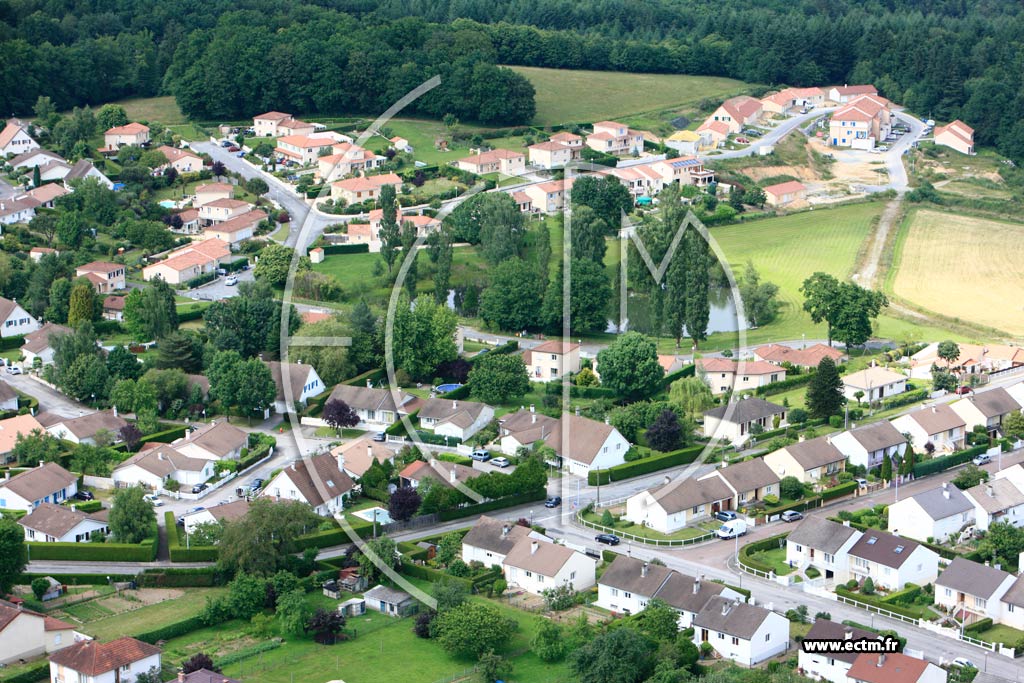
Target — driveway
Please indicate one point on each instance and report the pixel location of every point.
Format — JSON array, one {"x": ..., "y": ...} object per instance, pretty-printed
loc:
[
  {"x": 219, "y": 289},
  {"x": 773, "y": 136},
  {"x": 50, "y": 400}
]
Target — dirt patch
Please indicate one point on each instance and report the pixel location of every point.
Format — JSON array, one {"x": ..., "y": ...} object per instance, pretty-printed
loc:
[
  {"x": 759, "y": 173},
  {"x": 151, "y": 596}
]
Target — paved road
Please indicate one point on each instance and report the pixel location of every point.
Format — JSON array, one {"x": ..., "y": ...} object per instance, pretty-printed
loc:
[
  {"x": 219, "y": 289},
  {"x": 774, "y": 135},
  {"x": 50, "y": 400},
  {"x": 6, "y": 189}
]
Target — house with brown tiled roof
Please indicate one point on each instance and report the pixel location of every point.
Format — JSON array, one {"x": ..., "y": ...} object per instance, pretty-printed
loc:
[
  {"x": 841, "y": 94},
  {"x": 51, "y": 523},
  {"x": 374, "y": 406},
  {"x": 787, "y": 100},
  {"x": 441, "y": 471},
  {"x": 808, "y": 357},
  {"x": 716, "y": 131},
  {"x": 503, "y": 161},
  {"x": 15, "y": 139},
  {"x": 190, "y": 261},
  {"x": 956, "y": 135},
  {"x": 84, "y": 429},
  {"x": 678, "y": 503},
  {"x": 11, "y": 429},
  {"x": 549, "y": 196},
  {"x": 304, "y": 149},
  {"x": 20, "y": 209},
  {"x": 1001, "y": 499},
  {"x": 218, "y": 440},
  {"x": 735, "y": 421},
  {"x": 119, "y": 661},
  {"x": 534, "y": 565},
  {"x": 265, "y": 125},
  {"x": 552, "y": 360},
  {"x": 39, "y": 344},
  {"x": 612, "y": 137},
  {"x": 15, "y": 320},
  {"x": 524, "y": 428},
  {"x": 750, "y": 480},
  {"x": 182, "y": 160},
  {"x": 25, "y": 634},
  {"x": 874, "y": 384},
  {"x": 105, "y": 276},
  {"x": 551, "y": 154},
  {"x": 357, "y": 190},
  {"x": 8, "y": 396},
  {"x": 224, "y": 209},
  {"x": 584, "y": 444},
  {"x": 986, "y": 409},
  {"x": 45, "y": 483},
  {"x": 356, "y": 457},
  {"x": 784, "y": 194},
  {"x": 34, "y": 158},
  {"x": 972, "y": 591},
  {"x": 316, "y": 481},
  {"x": 47, "y": 193},
  {"x": 894, "y": 667},
  {"x": 454, "y": 418},
  {"x": 936, "y": 428},
  {"x": 892, "y": 561},
  {"x": 726, "y": 374},
  {"x": 491, "y": 539},
  {"x": 347, "y": 158},
  {"x": 236, "y": 230},
  {"x": 216, "y": 514},
  {"x": 158, "y": 463},
  {"x": 210, "y": 192},
  {"x": 128, "y": 134},
  {"x": 747, "y": 634},
  {"x": 869, "y": 445},
  {"x": 113, "y": 307}
]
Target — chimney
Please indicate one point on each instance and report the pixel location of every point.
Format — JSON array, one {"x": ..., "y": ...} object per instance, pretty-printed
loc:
[
  {"x": 533, "y": 547},
  {"x": 990, "y": 491},
  {"x": 801, "y": 439},
  {"x": 533, "y": 417},
  {"x": 455, "y": 404},
  {"x": 369, "y": 384},
  {"x": 74, "y": 508},
  {"x": 945, "y": 493},
  {"x": 293, "y": 465},
  {"x": 696, "y": 585},
  {"x": 452, "y": 475},
  {"x": 846, "y": 522},
  {"x": 607, "y": 420},
  {"x": 935, "y": 409},
  {"x": 181, "y": 677},
  {"x": 161, "y": 456},
  {"x": 668, "y": 479},
  {"x": 999, "y": 566},
  {"x": 533, "y": 408},
  {"x": 945, "y": 485},
  {"x": 726, "y": 606},
  {"x": 881, "y": 660},
  {"x": 986, "y": 563},
  {"x": 505, "y": 528},
  {"x": 643, "y": 571},
  {"x": 848, "y": 634}
]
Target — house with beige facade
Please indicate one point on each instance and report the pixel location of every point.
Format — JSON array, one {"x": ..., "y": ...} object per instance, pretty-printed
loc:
[
  {"x": 104, "y": 276},
  {"x": 956, "y": 135},
  {"x": 986, "y": 409},
  {"x": 551, "y": 154},
  {"x": 726, "y": 374},
  {"x": 972, "y": 591},
  {"x": 552, "y": 360},
  {"x": 181, "y": 160},
  {"x": 784, "y": 194},
  {"x": 737, "y": 113},
  {"x": 190, "y": 261},
  {"x": 347, "y": 159},
  {"x": 873, "y": 384},
  {"x": 303, "y": 149},
  {"x": 936, "y": 428},
  {"x": 534, "y": 565},
  {"x": 358, "y": 190},
  {"x": 737, "y": 421},
  {"x": 502, "y": 161},
  {"x": 129, "y": 134},
  {"x": 236, "y": 230},
  {"x": 810, "y": 460},
  {"x": 618, "y": 139},
  {"x": 25, "y": 633}
]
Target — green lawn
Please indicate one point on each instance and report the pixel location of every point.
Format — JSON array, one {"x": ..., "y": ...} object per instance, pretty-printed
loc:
[
  {"x": 163, "y": 109},
  {"x": 565, "y": 96},
  {"x": 775, "y": 558},
  {"x": 421, "y": 134},
  {"x": 1000, "y": 633},
  {"x": 646, "y": 532},
  {"x": 147, "y": 618}
]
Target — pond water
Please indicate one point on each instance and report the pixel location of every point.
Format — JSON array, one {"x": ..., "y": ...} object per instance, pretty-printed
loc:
[{"x": 722, "y": 319}]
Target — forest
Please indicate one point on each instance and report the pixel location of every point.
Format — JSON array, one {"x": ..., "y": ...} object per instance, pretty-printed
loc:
[{"x": 942, "y": 59}]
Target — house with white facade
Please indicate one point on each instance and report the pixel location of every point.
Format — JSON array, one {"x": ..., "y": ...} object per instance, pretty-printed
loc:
[
  {"x": 679, "y": 503},
  {"x": 831, "y": 666},
  {"x": 39, "y": 344},
  {"x": 892, "y": 561},
  {"x": 375, "y": 407},
  {"x": 316, "y": 481},
  {"x": 503, "y": 161},
  {"x": 188, "y": 262},
  {"x": 998, "y": 500},
  {"x": 454, "y": 418},
  {"x": 726, "y": 374},
  {"x": 364, "y": 188},
  {"x": 933, "y": 516},
  {"x": 84, "y": 429},
  {"x": 956, "y": 135},
  {"x": 25, "y": 634},
  {"x": 870, "y": 444},
  {"x": 535, "y": 565},
  {"x": 749, "y": 480},
  {"x": 1013, "y": 605},
  {"x": 13, "y": 427},
  {"x": 552, "y": 360},
  {"x": 129, "y": 134},
  {"x": 584, "y": 444},
  {"x": 216, "y": 514},
  {"x": 8, "y": 397},
  {"x": 611, "y": 137},
  {"x": 104, "y": 276},
  {"x": 987, "y": 409},
  {"x": 874, "y": 384},
  {"x": 19, "y": 209},
  {"x": 737, "y": 421},
  {"x": 218, "y": 440},
  {"x": 51, "y": 523},
  {"x": 441, "y": 472},
  {"x": 15, "y": 139},
  {"x": 90, "y": 661},
  {"x": 937, "y": 428},
  {"x": 524, "y": 428},
  {"x": 971, "y": 591},
  {"x": 808, "y": 460},
  {"x": 356, "y": 457},
  {"x": 153, "y": 467},
  {"x": 746, "y": 634},
  {"x": 551, "y": 154},
  {"x": 15, "y": 320},
  {"x": 303, "y": 380},
  {"x": 823, "y": 544},
  {"x": 491, "y": 539},
  {"x": 48, "y": 482}
]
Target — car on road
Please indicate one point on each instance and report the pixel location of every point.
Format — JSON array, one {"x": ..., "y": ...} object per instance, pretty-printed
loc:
[
  {"x": 883, "y": 148},
  {"x": 225, "y": 143},
  {"x": 241, "y": 155},
  {"x": 480, "y": 455},
  {"x": 792, "y": 516},
  {"x": 85, "y": 495},
  {"x": 181, "y": 519},
  {"x": 863, "y": 483},
  {"x": 982, "y": 459},
  {"x": 964, "y": 663},
  {"x": 725, "y": 515},
  {"x": 501, "y": 462},
  {"x": 13, "y": 370},
  {"x": 199, "y": 488},
  {"x": 742, "y": 141},
  {"x": 962, "y": 391},
  {"x": 553, "y": 502},
  {"x": 732, "y": 529},
  {"x": 380, "y": 436},
  {"x": 256, "y": 484},
  {"x": 233, "y": 149},
  {"x": 231, "y": 281},
  {"x": 607, "y": 539},
  {"x": 153, "y": 499}
]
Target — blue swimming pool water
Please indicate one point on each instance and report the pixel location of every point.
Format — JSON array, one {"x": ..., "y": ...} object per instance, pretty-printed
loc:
[
  {"x": 445, "y": 388},
  {"x": 368, "y": 514},
  {"x": 167, "y": 204}
]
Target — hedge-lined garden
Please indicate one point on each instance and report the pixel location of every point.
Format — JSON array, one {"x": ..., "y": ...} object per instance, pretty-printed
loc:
[
  {"x": 180, "y": 550},
  {"x": 747, "y": 551},
  {"x": 653, "y": 463},
  {"x": 95, "y": 552}
]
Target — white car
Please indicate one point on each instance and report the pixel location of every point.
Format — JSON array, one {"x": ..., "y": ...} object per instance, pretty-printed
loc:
[
  {"x": 231, "y": 281},
  {"x": 13, "y": 370},
  {"x": 500, "y": 462},
  {"x": 965, "y": 663},
  {"x": 154, "y": 499}
]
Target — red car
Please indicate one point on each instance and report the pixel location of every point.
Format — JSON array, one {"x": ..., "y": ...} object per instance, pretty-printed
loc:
[
  {"x": 233, "y": 148},
  {"x": 960, "y": 391}
]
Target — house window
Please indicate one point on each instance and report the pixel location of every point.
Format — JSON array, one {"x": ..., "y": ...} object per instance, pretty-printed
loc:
[
  {"x": 572, "y": 576},
  {"x": 615, "y": 592},
  {"x": 767, "y": 637},
  {"x": 1009, "y": 608},
  {"x": 694, "y": 510},
  {"x": 980, "y": 603},
  {"x": 540, "y": 578},
  {"x": 799, "y": 548},
  {"x": 721, "y": 636},
  {"x": 735, "y": 640},
  {"x": 529, "y": 574},
  {"x": 627, "y": 595}
]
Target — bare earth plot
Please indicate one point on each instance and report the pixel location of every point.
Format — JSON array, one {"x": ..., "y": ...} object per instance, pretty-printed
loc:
[{"x": 963, "y": 267}]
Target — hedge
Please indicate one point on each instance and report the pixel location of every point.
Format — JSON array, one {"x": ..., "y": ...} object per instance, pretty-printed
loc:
[
  {"x": 496, "y": 504},
  {"x": 785, "y": 385},
  {"x": 78, "y": 579},
  {"x": 687, "y": 371},
  {"x": 375, "y": 375},
  {"x": 172, "y": 630},
  {"x": 770, "y": 543},
  {"x": 440, "y": 440},
  {"x": 877, "y": 602},
  {"x": 194, "y": 312},
  {"x": 905, "y": 399},
  {"x": 11, "y": 343},
  {"x": 166, "y": 436},
  {"x": 236, "y": 265},
  {"x": 903, "y": 596},
  {"x": 436, "y": 538},
  {"x": 183, "y": 577},
  {"x": 199, "y": 280},
  {"x": 181, "y": 551},
  {"x": 346, "y": 249},
  {"x": 433, "y": 575},
  {"x": 39, "y": 672},
  {"x": 684, "y": 456},
  {"x": 257, "y": 454},
  {"x": 457, "y": 394},
  {"x": 979, "y": 626},
  {"x": 105, "y": 328},
  {"x": 840, "y": 490},
  {"x": 943, "y": 463},
  {"x": 95, "y": 552},
  {"x": 454, "y": 457},
  {"x": 413, "y": 551},
  {"x": 332, "y": 537},
  {"x": 800, "y": 506},
  {"x": 87, "y": 505}
]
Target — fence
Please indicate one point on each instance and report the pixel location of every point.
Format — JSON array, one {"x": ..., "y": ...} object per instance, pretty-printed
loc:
[
  {"x": 657, "y": 542},
  {"x": 769, "y": 575},
  {"x": 877, "y": 610}
]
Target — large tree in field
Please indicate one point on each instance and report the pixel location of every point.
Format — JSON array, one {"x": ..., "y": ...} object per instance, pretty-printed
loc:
[
  {"x": 424, "y": 337},
  {"x": 132, "y": 518},
  {"x": 630, "y": 366},
  {"x": 620, "y": 655},
  {"x": 820, "y": 292},
  {"x": 760, "y": 302},
  {"x": 512, "y": 301},
  {"x": 13, "y": 553},
  {"x": 856, "y": 310},
  {"x": 151, "y": 313},
  {"x": 502, "y": 229},
  {"x": 473, "y": 628},
  {"x": 948, "y": 351},
  {"x": 390, "y": 237},
  {"x": 261, "y": 542},
  {"x": 498, "y": 378},
  {"x": 606, "y": 196},
  {"x": 588, "y": 234},
  {"x": 825, "y": 392}
]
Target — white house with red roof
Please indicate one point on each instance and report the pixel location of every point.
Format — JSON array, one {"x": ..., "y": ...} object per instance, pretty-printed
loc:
[
  {"x": 105, "y": 276},
  {"x": 737, "y": 112},
  {"x": 90, "y": 661},
  {"x": 220, "y": 210},
  {"x": 783, "y": 194},
  {"x": 862, "y": 123},
  {"x": 236, "y": 230},
  {"x": 346, "y": 159},
  {"x": 266, "y": 125},
  {"x": 841, "y": 94},
  {"x": 956, "y": 135},
  {"x": 552, "y": 360},
  {"x": 789, "y": 99},
  {"x": 210, "y": 192},
  {"x": 552, "y": 154},
  {"x": 128, "y": 134},
  {"x": 726, "y": 374},
  {"x": 547, "y": 197},
  {"x": 25, "y": 634},
  {"x": 305, "y": 149},
  {"x": 612, "y": 137},
  {"x": 503, "y": 161},
  {"x": 181, "y": 160},
  {"x": 357, "y": 190},
  {"x": 716, "y": 131},
  {"x": 190, "y": 261},
  {"x": 15, "y": 139}
]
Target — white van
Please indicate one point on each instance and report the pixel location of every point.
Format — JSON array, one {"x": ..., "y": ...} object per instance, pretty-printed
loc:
[{"x": 732, "y": 529}]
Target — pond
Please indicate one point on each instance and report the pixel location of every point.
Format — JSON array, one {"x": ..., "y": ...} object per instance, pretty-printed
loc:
[{"x": 722, "y": 319}]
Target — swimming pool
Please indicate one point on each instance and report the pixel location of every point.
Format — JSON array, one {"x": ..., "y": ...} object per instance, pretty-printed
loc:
[
  {"x": 369, "y": 513},
  {"x": 445, "y": 388},
  {"x": 168, "y": 203}
]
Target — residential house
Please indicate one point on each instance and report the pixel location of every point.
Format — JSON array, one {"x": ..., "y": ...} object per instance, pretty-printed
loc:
[
  {"x": 189, "y": 222},
  {"x": 370, "y": 232},
  {"x": 524, "y": 428},
  {"x": 302, "y": 383},
  {"x": 784, "y": 194},
  {"x": 51, "y": 523},
  {"x": 375, "y": 407},
  {"x": 355, "y": 457},
  {"x": 129, "y": 134},
  {"x": 688, "y": 595},
  {"x": 808, "y": 460},
  {"x": 265, "y": 125},
  {"x": 216, "y": 514},
  {"x": 973, "y": 359},
  {"x": 90, "y": 661},
  {"x": 725, "y": 374},
  {"x": 113, "y": 307},
  {"x": 211, "y": 192},
  {"x": 39, "y": 344},
  {"x": 547, "y": 197},
  {"x": 552, "y": 360},
  {"x": 972, "y": 591},
  {"x": 347, "y": 159},
  {"x": 315, "y": 480},
  {"x": 1013, "y": 605},
  {"x": 46, "y": 483},
  {"x": 400, "y": 144},
  {"x": 870, "y": 444},
  {"x": 874, "y": 384},
  {"x": 956, "y": 135},
  {"x": 1017, "y": 392},
  {"x": 390, "y": 601},
  {"x": 158, "y": 463},
  {"x": 203, "y": 676},
  {"x": 14, "y": 320},
  {"x": 523, "y": 201},
  {"x": 746, "y": 634},
  {"x": 734, "y": 421},
  {"x": 642, "y": 180},
  {"x": 220, "y": 210},
  {"x": 679, "y": 503},
  {"x": 15, "y": 139},
  {"x": 11, "y": 429},
  {"x": 37, "y": 253},
  {"x": 181, "y": 160},
  {"x": 715, "y": 131},
  {"x": 303, "y": 149},
  {"x": 20, "y": 209},
  {"x": 841, "y": 94},
  {"x": 670, "y": 363},
  {"x": 54, "y": 170},
  {"x": 936, "y": 428},
  {"x": 892, "y": 561},
  {"x": 502, "y": 161},
  {"x": 611, "y": 137},
  {"x": 894, "y": 667},
  {"x": 584, "y": 444},
  {"x": 686, "y": 142},
  {"x": 190, "y": 261},
  {"x": 749, "y": 480},
  {"x": 737, "y": 113},
  {"x": 568, "y": 139},
  {"x": 998, "y": 500},
  {"x": 218, "y": 440},
  {"x": 862, "y": 123},
  {"x": 551, "y": 154},
  {"x": 808, "y": 357},
  {"x": 85, "y": 428},
  {"x": 787, "y": 100},
  {"x": 292, "y": 127},
  {"x": 25, "y": 634},
  {"x": 491, "y": 539},
  {"x": 357, "y": 190},
  {"x": 986, "y": 408},
  {"x": 105, "y": 276},
  {"x": 687, "y": 170},
  {"x": 34, "y": 158},
  {"x": 823, "y": 544},
  {"x": 831, "y": 666},
  {"x": 535, "y": 565},
  {"x": 47, "y": 194},
  {"x": 454, "y": 418},
  {"x": 933, "y": 516},
  {"x": 440, "y": 471},
  {"x": 8, "y": 397},
  {"x": 236, "y": 230}
]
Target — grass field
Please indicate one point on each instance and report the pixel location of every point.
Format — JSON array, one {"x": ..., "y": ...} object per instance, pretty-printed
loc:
[
  {"x": 585, "y": 96},
  {"x": 143, "y": 619},
  {"x": 162, "y": 109},
  {"x": 962, "y": 267}
]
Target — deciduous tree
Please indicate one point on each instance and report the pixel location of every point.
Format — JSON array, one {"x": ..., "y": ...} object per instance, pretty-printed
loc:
[
  {"x": 630, "y": 366},
  {"x": 13, "y": 553},
  {"x": 497, "y": 378},
  {"x": 132, "y": 519},
  {"x": 620, "y": 655},
  {"x": 403, "y": 503},
  {"x": 339, "y": 415},
  {"x": 512, "y": 301},
  {"x": 473, "y": 628}
]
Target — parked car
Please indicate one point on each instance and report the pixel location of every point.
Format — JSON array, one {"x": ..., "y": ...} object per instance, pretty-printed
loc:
[
  {"x": 181, "y": 519},
  {"x": 380, "y": 436},
  {"x": 199, "y": 488},
  {"x": 241, "y": 155},
  {"x": 982, "y": 459},
  {"x": 725, "y": 515},
  {"x": 225, "y": 143},
  {"x": 231, "y": 281},
  {"x": 742, "y": 141},
  {"x": 964, "y": 663},
  {"x": 553, "y": 502},
  {"x": 480, "y": 455},
  {"x": 607, "y": 539},
  {"x": 792, "y": 516},
  {"x": 154, "y": 499},
  {"x": 962, "y": 391},
  {"x": 13, "y": 370},
  {"x": 256, "y": 484},
  {"x": 863, "y": 483},
  {"x": 233, "y": 149},
  {"x": 85, "y": 495},
  {"x": 501, "y": 462},
  {"x": 732, "y": 529}
]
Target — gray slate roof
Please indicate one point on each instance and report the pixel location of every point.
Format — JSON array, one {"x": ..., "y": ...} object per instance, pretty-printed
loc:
[
  {"x": 996, "y": 495},
  {"x": 994, "y": 402},
  {"x": 1015, "y": 596},
  {"x": 972, "y": 578},
  {"x": 679, "y": 592},
  {"x": 490, "y": 534},
  {"x": 747, "y": 410},
  {"x": 885, "y": 549},
  {"x": 731, "y": 617},
  {"x": 749, "y": 475},
  {"x": 878, "y": 436},
  {"x": 627, "y": 574},
  {"x": 821, "y": 534},
  {"x": 391, "y": 596},
  {"x": 684, "y": 494},
  {"x": 815, "y": 453},
  {"x": 941, "y": 503}
]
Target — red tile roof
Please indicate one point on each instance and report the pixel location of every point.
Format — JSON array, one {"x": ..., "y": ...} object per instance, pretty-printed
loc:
[{"x": 92, "y": 658}]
